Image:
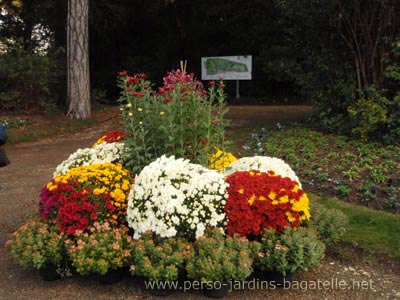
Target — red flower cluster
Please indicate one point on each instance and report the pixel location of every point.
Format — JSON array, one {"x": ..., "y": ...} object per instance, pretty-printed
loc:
[
  {"x": 122, "y": 73},
  {"x": 137, "y": 94},
  {"x": 133, "y": 79},
  {"x": 111, "y": 137},
  {"x": 114, "y": 136},
  {"x": 260, "y": 200},
  {"x": 73, "y": 207}
]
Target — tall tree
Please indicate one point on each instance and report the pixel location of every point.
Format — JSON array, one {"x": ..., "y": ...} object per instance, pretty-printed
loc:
[{"x": 78, "y": 86}]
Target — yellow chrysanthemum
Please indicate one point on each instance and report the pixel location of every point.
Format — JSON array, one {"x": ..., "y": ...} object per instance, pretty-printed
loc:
[
  {"x": 220, "y": 160},
  {"x": 101, "y": 140}
]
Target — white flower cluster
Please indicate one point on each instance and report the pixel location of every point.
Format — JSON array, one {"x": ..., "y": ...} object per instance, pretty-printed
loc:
[
  {"x": 100, "y": 154},
  {"x": 263, "y": 164},
  {"x": 175, "y": 197}
]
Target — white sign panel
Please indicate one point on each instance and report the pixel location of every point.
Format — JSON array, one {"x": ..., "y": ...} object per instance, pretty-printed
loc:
[{"x": 227, "y": 67}]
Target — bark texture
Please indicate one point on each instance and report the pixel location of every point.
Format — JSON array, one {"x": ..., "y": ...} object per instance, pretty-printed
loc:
[{"x": 78, "y": 94}]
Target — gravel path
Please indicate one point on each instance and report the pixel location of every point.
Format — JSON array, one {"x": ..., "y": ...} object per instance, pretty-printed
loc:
[{"x": 33, "y": 164}]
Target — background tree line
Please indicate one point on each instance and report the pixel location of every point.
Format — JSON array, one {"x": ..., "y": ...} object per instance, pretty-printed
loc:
[{"x": 341, "y": 56}]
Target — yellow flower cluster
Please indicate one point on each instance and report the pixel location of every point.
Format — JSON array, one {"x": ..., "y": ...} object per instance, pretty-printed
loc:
[
  {"x": 220, "y": 160},
  {"x": 101, "y": 178},
  {"x": 302, "y": 205},
  {"x": 101, "y": 140}
]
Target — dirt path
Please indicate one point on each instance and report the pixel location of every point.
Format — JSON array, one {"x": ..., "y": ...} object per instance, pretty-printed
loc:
[{"x": 33, "y": 165}]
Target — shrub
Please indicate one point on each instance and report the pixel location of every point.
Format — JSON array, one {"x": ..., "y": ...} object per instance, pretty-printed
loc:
[
  {"x": 369, "y": 114},
  {"x": 330, "y": 105},
  {"x": 296, "y": 249},
  {"x": 329, "y": 223},
  {"x": 159, "y": 259},
  {"x": 102, "y": 248},
  {"x": 393, "y": 76},
  {"x": 219, "y": 258},
  {"x": 36, "y": 244},
  {"x": 27, "y": 80}
]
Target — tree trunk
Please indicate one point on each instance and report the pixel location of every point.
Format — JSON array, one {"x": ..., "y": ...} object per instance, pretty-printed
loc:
[{"x": 78, "y": 94}]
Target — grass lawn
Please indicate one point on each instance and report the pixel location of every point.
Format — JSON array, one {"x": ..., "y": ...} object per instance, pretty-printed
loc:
[{"x": 375, "y": 232}]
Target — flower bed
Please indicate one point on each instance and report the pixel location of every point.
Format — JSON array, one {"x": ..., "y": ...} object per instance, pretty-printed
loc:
[
  {"x": 212, "y": 217},
  {"x": 361, "y": 173}
]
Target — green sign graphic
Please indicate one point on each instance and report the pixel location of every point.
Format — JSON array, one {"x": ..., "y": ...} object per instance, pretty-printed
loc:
[{"x": 221, "y": 65}]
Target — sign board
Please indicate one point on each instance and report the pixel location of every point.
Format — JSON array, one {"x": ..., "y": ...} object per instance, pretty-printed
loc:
[{"x": 229, "y": 67}]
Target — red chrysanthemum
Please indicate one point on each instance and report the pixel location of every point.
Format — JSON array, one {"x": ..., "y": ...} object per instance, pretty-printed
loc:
[
  {"x": 73, "y": 207},
  {"x": 260, "y": 200}
]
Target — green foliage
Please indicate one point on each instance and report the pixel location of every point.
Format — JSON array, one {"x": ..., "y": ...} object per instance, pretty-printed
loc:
[
  {"x": 158, "y": 259},
  {"x": 331, "y": 104},
  {"x": 294, "y": 250},
  {"x": 329, "y": 223},
  {"x": 182, "y": 120},
  {"x": 369, "y": 113},
  {"x": 27, "y": 80},
  {"x": 393, "y": 75},
  {"x": 99, "y": 250},
  {"x": 219, "y": 258},
  {"x": 36, "y": 244},
  {"x": 15, "y": 122},
  {"x": 279, "y": 63},
  {"x": 324, "y": 48},
  {"x": 392, "y": 71}
]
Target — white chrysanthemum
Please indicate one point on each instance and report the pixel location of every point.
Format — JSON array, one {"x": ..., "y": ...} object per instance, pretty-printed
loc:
[
  {"x": 100, "y": 154},
  {"x": 175, "y": 197},
  {"x": 263, "y": 164}
]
